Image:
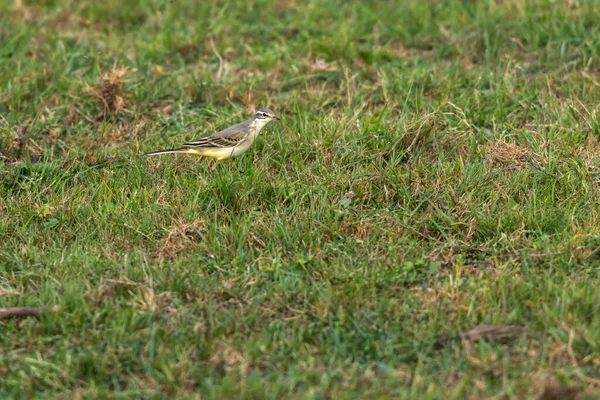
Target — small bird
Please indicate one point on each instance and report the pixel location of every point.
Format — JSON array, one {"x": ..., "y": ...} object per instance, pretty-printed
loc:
[{"x": 230, "y": 142}]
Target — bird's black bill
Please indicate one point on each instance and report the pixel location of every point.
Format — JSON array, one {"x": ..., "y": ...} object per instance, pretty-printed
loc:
[{"x": 277, "y": 118}]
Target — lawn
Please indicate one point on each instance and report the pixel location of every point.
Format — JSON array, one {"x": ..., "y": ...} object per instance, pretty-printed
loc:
[{"x": 435, "y": 170}]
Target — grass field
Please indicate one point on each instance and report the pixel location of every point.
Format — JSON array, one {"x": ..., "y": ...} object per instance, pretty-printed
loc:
[{"x": 467, "y": 130}]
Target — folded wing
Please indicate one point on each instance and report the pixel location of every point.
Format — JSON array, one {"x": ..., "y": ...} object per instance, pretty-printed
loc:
[
  {"x": 230, "y": 137},
  {"x": 212, "y": 141}
]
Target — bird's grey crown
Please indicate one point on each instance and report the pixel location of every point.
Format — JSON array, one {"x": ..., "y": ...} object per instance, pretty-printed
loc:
[{"x": 265, "y": 113}]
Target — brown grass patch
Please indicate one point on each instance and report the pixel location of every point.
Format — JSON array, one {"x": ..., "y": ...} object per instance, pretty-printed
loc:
[
  {"x": 141, "y": 294},
  {"x": 165, "y": 109},
  {"x": 358, "y": 229},
  {"x": 108, "y": 92},
  {"x": 108, "y": 287},
  {"x": 508, "y": 154},
  {"x": 558, "y": 392},
  {"x": 25, "y": 12},
  {"x": 21, "y": 149},
  {"x": 275, "y": 75},
  {"x": 284, "y": 5},
  {"x": 318, "y": 65},
  {"x": 189, "y": 51},
  {"x": 87, "y": 159},
  {"x": 180, "y": 237},
  {"x": 401, "y": 51},
  {"x": 498, "y": 333},
  {"x": 73, "y": 117},
  {"x": 148, "y": 300},
  {"x": 8, "y": 291},
  {"x": 228, "y": 359},
  {"x": 483, "y": 333},
  {"x": 117, "y": 133}
]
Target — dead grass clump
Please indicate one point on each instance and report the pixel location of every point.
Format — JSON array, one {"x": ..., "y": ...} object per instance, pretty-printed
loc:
[
  {"x": 74, "y": 116},
  {"x": 189, "y": 51},
  {"x": 148, "y": 300},
  {"x": 357, "y": 229},
  {"x": 165, "y": 109},
  {"x": 318, "y": 65},
  {"x": 87, "y": 159},
  {"x": 228, "y": 360},
  {"x": 284, "y": 5},
  {"x": 21, "y": 149},
  {"x": 141, "y": 295},
  {"x": 559, "y": 392},
  {"x": 275, "y": 75},
  {"x": 501, "y": 153},
  {"x": 400, "y": 51},
  {"x": 108, "y": 91},
  {"x": 499, "y": 333},
  {"x": 24, "y": 12},
  {"x": 8, "y": 291},
  {"x": 180, "y": 237},
  {"x": 109, "y": 287}
]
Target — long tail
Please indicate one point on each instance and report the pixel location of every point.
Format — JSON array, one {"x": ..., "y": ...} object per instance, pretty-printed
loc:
[{"x": 168, "y": 151}]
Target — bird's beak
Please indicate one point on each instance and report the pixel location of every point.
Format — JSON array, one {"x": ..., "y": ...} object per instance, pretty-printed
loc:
[{"x": 277, "y": 118}]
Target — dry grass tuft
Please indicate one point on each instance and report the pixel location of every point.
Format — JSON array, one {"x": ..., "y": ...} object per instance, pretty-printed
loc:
[
  {"x": 189, "y": 51},
  {"x": 165, "y": 109},
  {"x": 108, "y": 92},
  {"x": 180, "y": 237},
  {"x": 108, "y": 287},
  {"x": 73, "y": 116},
  {"x": 318, "y": 65},
  {"x": 230, "y": 360},
  {"x": 141, "y": 295},
  {"x": 493, "y": 333},
  {"x": 8, "y": 291},
  {"x": 559, "y": 392},
  {"x": 284, "y": 5},
  {"x": 87, "y": 159},
  {"x": 500, "y": 334},
  {"x": 400, "y": 51},
  {"x": 22, "y": 11},
  {"x": 21, "y": 149},
  {"x": 148, "y": 300},
  {"x": 501, "y": 153}
]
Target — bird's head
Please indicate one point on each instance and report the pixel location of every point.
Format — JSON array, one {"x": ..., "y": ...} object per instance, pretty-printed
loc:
[{"x": 266, "y": 114}]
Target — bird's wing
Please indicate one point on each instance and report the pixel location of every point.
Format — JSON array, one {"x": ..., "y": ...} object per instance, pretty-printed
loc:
[
  {"x": 229, "y": 137},
  {"x": 241, "y": 128},
  {"x": 215, "y": 141}
]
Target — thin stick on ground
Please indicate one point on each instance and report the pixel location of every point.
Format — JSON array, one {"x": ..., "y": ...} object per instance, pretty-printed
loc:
[
  {"x": 20, "y": 312},
  {"x": 221, "y": 62}
]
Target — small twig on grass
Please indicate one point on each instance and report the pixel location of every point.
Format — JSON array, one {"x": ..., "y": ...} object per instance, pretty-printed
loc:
[
  {"x": 20, "y": 312},
  {"x": 221, "y": 62},
  {"x": 495, "y": 333},
  {"x": 21, "y": 140}
]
